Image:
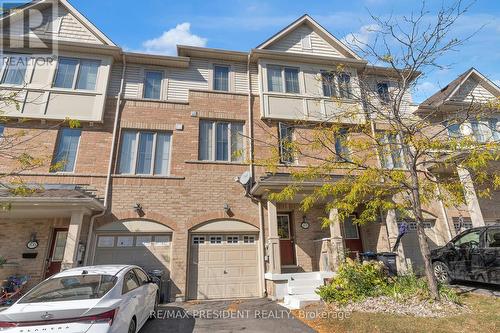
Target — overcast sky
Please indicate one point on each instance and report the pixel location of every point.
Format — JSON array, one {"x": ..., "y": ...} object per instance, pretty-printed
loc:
[{"x": 156, "y": 26}]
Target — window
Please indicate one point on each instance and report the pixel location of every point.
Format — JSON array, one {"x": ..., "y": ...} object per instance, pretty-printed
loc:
[
  {"x": 221, "y": 141},
  {"x": 469, "y": 239},
  {"x": 453, "y": 130},
  {"x": 284, "y": 226},
  {"x": 221, "y": 78},
  {"x": 480, "y": 131},
  {"x": 328, "y": 81},
  {"x": 344, "y": 85},
  {"x": 392, "y": 152},
  {"x": 462, "y": 222},
  {"x": 59, "y": 245},
  {"x": 141, "y": 276},
  {"x": 198, "y": 240},
  {"x": 248, "y": 239},
  {"x": 1, "y": 130},
  {"x": 232, "y": 239},
  {"x": 350, "y": 229},
  {"x": 75, "y": 73},
  {"x": 493, "y": 124},
  {"x": 71, "y": 288},
  {"x": 383, "y": 92},
  {"x": 493, "y": 238},
  {"x": 163, "y": 240},
  {"x": 286, "y": 142},
  {"x": 130, "y": 282},
  {"x": 67, "y": 150},
  {"x": 215, "y": 239},
  {"x": 145, "y": 153},
  {"x": 283, "y": 79},
  {"x": 106, "y": 241},
  {"x": 125, "y": 241},
  {"x": 341, "y": 147},
  {"x": 15, "y": 70},
  {"x": 152, "y": 84},
  {"x": 143, "y": 240}
]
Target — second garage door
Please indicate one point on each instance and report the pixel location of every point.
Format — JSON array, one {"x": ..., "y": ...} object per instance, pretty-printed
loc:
[{"x": 223, "y": 266}]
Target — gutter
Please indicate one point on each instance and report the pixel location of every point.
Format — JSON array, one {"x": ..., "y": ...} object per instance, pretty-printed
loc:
[{"x": 110, "y": 165}]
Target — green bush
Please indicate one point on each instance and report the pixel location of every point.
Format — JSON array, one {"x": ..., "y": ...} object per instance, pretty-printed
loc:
[{"x": 356, "y": 281}]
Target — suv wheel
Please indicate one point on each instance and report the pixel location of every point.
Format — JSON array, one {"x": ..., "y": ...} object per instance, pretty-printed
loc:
[
  {"x": 441, "y": 272},
  {"x": 132, "y": 327}
]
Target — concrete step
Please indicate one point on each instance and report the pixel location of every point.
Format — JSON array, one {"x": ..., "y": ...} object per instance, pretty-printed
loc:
[
  {"x": 305, "y": 276},
  {"x": 295, "y": 302},
  {"x": 299, "y": 287}
]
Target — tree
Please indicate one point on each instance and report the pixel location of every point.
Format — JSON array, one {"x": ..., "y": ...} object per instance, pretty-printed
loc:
[{"x": 391, "y": 157}]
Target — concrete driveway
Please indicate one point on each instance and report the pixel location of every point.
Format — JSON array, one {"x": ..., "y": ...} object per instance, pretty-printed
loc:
[{"x": 256, "y": 315}]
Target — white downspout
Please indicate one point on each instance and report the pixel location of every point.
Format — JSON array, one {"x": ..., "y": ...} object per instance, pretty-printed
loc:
[
  {"x": 110, "y": 164},
  {"x": 250, "y": 116}
]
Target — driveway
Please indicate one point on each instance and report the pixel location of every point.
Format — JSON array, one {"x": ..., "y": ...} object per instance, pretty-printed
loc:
[
  {"x": 477, "y": 288},
  {"x": 256, "y": 315}
]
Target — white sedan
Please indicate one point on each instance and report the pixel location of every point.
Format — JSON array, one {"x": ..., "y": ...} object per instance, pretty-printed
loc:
[{"x": 98, "y": 299}]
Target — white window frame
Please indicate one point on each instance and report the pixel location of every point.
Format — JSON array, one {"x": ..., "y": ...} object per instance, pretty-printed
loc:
[
  {"x": 153, "y": 155},
  {"x": 230, "y": 87},
  {"x": 213, "y": 157},
  {"x": 385, "y": 153},
  {"x": 3, "y": 71},
  {"x": 162, "y": 83},
  {"x": 198, "y": 240},
  {"x": 283, "y": 80},
  {"x": 247, "y": 238},
  {"x": 215, "y": 239},
  {"x": 77, "y": 74},
  {"x": 76, "y": 153},
  {"x": 232, "y": 237},
  {"x": 281, "y": 148},
  {"x": 357, "y": 230}
]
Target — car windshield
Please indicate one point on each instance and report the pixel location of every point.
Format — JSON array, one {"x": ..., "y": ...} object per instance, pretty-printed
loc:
[{"x": 70, "y": 288}]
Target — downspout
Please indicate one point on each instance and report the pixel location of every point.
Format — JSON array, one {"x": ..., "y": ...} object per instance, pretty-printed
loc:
[
  {"x": 250, "y": 117},
  {"x": 110, "y": 164}
]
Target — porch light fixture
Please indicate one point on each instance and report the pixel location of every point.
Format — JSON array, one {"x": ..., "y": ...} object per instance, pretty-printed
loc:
[
  {"x": 138, "y": 209},
  {"x": 227, "y": 209},
  {"x": 305, "y": 223}
]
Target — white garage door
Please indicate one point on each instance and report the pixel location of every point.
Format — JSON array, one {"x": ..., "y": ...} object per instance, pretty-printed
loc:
[
  {"x": 411, "y": 247},
  {"x": 223, "y": 266}
]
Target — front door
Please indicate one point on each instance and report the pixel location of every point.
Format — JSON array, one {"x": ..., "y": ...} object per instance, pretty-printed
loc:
[
  {"x": 286, "y": 240},
  {"x": 56, "y": 252},
  {"x": 353, "y": 243}
]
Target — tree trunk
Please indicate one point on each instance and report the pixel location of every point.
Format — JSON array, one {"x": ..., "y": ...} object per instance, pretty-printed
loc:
[{"x": 422, "y": 238}]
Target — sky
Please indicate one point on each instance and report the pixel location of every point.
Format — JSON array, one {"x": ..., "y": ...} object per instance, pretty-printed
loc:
[{"x": 156, "y": 26}]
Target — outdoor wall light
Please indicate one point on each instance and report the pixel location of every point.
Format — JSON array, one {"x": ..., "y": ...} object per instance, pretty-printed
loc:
[
  {"x": 227, "y": 209},
  {"x": 138, "y": 209},
  {"x": 305, "y": 223}
]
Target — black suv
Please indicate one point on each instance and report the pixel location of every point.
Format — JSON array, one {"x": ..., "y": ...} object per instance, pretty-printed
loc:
[{"x": 473, "y": 255}]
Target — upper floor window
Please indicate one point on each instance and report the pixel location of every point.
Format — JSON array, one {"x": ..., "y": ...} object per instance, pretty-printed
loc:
[
  {"x": 285, "y": 143},
  {"x": 283, "y": 79},
  {"x": 67, "y": 150},
  {"x": 344, "y": 85},
  {"x": 152, "y": 84},
  {"x": 15, "y": 70},
  {"x": 454, "y": 130},
  {"x": 1, "y": 130},
  {"x": 221, "y": 78},
  {"x": 383, "y": 92},
  {"x": 391, "y": 155},
  {"x": 145, "y": 153},
  {"x": 221, "y": 141},
  {"x": 341, "y": 147},
  {"x": 328, "y": 82},
  {"x": 75, "y": 73},
  {"x": 494, "y": 126}
]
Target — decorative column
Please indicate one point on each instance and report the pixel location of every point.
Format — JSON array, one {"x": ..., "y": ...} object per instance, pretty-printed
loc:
[
  {"x": 471, "y": 199},
  {"x": 273, "y": 241},
  {"x": 337, "y": 250},
  {"x": 71, "y": 249},
  {"x": 391, "y": 223}
]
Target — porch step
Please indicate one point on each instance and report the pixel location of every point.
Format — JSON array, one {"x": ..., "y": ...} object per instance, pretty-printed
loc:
[
  {"x": 305, "y": 276},
  {"x": 303, "y": 287},
  {"x": 295, "y": 302}
]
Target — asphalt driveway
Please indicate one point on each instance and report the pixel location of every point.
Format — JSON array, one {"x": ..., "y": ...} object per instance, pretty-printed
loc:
[{"x": 256, "y": 315}]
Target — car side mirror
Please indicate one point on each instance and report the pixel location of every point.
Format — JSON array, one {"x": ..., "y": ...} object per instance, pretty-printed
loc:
[{"x": 450, "y": 246}]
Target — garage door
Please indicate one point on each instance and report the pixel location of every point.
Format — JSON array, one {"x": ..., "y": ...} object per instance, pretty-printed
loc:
[
  {"x": 224, "y": 265},
  {"x": 142, "y": 243},
  {"x": 411, "y": 247}
]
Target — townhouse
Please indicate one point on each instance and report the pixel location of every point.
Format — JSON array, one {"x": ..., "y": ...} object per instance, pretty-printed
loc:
[{"x": 161, "y": 173}]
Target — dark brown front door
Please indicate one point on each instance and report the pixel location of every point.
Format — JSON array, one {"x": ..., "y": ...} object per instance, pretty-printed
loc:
[
  {"x": 352, "y": 237},
  {"x": 286, "y": 240},
  {"x": 56, "y": 252}
]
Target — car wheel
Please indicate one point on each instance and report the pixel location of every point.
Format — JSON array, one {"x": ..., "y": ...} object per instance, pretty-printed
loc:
[
  {"x": 132, "y": 327},
  {"x": 441, "y": 272},
  {"x": 155, "y": 310}
]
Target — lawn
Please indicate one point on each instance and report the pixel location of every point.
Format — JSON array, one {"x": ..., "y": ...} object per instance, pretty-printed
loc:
[{"x": 484, "y": 317}]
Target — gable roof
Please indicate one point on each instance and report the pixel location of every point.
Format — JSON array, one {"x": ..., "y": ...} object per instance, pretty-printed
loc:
[
  {"x": 448, "y": 91},
  {"x": 72, "y": 10},
  {"x": 306, "y": 19}
]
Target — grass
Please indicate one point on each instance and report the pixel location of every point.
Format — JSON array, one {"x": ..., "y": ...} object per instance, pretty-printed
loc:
[{"x": 484, "y": 318}]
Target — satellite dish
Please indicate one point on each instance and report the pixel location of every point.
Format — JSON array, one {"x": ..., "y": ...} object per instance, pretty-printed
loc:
[{"x": 245, "y": 178}]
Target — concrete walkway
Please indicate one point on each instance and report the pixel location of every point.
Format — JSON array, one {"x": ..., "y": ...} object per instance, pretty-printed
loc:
[{"x": 256, "y": 315}]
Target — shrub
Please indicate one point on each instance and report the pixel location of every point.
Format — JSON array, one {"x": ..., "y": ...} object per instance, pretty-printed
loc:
[{"x": 356, "y": 281}]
